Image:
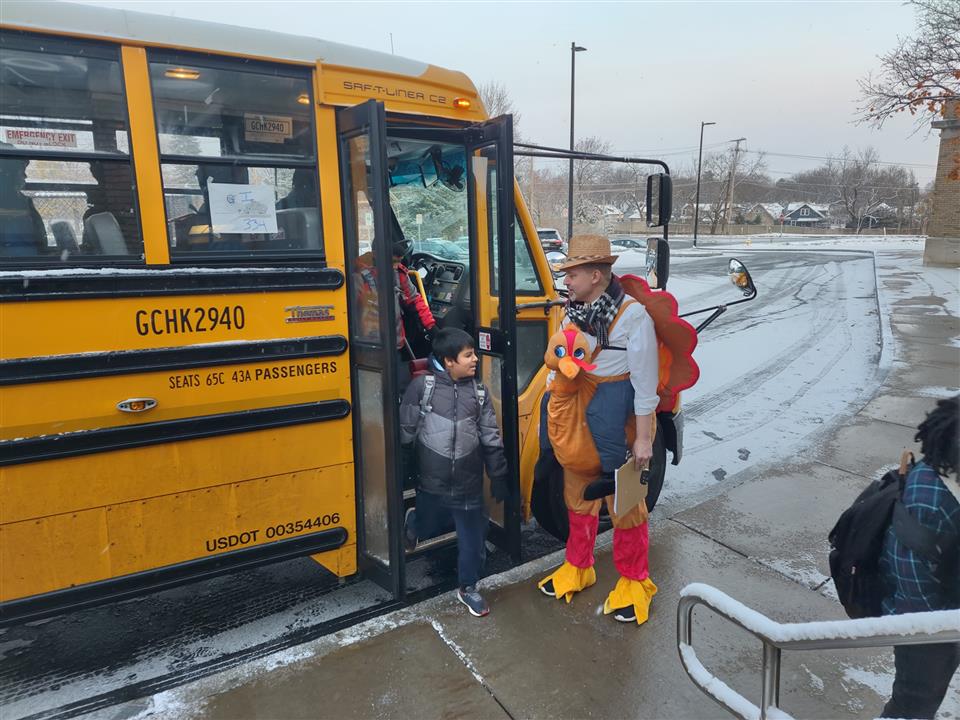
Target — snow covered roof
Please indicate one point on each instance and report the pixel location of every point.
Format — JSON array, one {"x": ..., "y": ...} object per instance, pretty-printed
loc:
[
  {"x": 817, "y": 208},
  {"x": 772, "y": 209}
]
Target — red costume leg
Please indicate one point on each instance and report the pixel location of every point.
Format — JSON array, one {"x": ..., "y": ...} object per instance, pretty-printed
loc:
[
  {"x": 580, "y": 541},
  {"x": 577, "y": 571},
  {"x": 630, "y": 549}
]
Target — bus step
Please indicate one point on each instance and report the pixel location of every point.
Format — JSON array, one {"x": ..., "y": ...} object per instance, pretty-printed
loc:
[{"x": 433, "y": 543}]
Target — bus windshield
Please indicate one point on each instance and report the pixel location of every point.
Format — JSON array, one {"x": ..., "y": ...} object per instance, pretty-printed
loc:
[{"x": 427, "y": 194}]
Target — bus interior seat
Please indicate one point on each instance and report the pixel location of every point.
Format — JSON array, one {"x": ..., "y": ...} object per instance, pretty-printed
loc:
[
  {"x": 104, "y": 232},
  {"x": 300, "y": 227},
  {"x": 65, "y": 237}
]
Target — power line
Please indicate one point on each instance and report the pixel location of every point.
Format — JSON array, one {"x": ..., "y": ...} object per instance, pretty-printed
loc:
[
  {"x": 667, "y": 152},
  {"x": 826, "y": 157},
  {"x": 791, "y": 185}
]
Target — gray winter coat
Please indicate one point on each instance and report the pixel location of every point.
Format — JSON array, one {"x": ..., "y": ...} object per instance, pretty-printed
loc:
[{"x": 454, "y": 442}]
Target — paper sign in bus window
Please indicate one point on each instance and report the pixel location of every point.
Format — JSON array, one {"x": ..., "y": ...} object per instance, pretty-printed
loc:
[{"x": 236, "y": 208}]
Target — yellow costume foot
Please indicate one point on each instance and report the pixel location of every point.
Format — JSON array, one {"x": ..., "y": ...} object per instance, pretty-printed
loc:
[
  {"x": 633, "y": 597},
  {"x": 567, "y": 580}
]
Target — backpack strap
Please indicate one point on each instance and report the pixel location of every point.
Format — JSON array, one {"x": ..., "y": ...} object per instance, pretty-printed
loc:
[
  {"x": 426, "y": 397},
  {"x": 919, "y": 538},
  {"x": 481, "y": 396},
  {"x": 627, "y": 302}
]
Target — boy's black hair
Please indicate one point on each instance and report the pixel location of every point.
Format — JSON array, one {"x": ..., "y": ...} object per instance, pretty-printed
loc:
[
  {"x": 937, "y": 436},
  {"x": 448, "y": 343}
]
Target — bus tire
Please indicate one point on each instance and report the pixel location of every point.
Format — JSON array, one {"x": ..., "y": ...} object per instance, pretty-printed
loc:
[
  {"x": 658, "y": 468},
  {"x": 546, "y": 498}
]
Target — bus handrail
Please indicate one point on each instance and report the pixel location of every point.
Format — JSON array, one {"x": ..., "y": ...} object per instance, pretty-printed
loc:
[
  {"x": 545, "y": 304},
  {"x": 909, "y": 629}
]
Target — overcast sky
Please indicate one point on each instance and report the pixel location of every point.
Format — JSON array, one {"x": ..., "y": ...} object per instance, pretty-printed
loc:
[{"x": 783, "y": 75}]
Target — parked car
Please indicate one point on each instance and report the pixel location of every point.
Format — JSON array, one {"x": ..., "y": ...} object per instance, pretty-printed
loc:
[
  {"x": 620, "y": 244},
  {"x": 550, "y": 239},
  {"x": 443, "y": 249}
]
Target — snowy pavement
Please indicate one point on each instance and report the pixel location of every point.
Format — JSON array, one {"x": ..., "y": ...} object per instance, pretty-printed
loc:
[{"x": 807, "y": 392}]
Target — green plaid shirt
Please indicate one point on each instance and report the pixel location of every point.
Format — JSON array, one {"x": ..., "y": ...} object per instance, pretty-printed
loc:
[{"x": 914, "y": 584}]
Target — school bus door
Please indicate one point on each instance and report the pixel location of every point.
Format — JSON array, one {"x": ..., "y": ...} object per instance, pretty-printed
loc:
[
  {"x": 493, "y": 227},
  {"x": 361, "y": 132}
]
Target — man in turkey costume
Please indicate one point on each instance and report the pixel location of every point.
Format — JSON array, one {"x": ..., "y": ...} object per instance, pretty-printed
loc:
[{"x": 611, "y": 374}]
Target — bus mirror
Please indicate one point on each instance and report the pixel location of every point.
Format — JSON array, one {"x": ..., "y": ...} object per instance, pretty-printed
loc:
[
  {"x": 659, "y": 199},
  {"x": 740, "y": 276},
  {"x": 658, "y": 263},
  {"x": 429, "y": 167}
]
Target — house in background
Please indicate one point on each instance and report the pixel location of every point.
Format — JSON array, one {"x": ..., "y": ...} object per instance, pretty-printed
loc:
[
  {"x": 764, "y": 214},
  {"x": 686, "y": 212},
  {"x": 610, "y": 212},
  {"x": 802, "y": 214}
]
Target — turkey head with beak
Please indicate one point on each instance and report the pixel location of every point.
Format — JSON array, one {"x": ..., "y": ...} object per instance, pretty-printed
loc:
[{"x": 567, "y": 352}]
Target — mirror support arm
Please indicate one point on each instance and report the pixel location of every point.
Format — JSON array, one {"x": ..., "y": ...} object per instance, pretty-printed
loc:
[{"x": 717, "y": 310}]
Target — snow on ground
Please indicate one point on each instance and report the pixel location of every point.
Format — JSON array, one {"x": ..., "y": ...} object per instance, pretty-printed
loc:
[
  {"x": 768, "y": 241},
  {"x": 775, "y": 371}
]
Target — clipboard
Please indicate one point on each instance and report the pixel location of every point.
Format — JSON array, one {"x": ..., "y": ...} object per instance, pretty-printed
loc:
[{"x": 630, "y": 487}]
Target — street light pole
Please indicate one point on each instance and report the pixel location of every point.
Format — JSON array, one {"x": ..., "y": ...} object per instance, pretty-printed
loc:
[
  {"x": 574, "y": 49},
  {"x": 696, "y": 209}
]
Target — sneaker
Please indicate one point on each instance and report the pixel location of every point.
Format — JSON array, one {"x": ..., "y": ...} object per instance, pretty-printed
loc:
[
  {"x": 473, "y": 600},
  {"x": 625, "y": 615},
  {"x": 410, "y": 530},
  {"x": 548, "y": 589}
]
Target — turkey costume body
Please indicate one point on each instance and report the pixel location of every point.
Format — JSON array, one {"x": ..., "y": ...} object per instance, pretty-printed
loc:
[{"x": 610, "y": 365}]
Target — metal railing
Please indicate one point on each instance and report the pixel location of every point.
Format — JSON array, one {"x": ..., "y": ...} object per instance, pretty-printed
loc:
[{"x": 910, "y": 629}]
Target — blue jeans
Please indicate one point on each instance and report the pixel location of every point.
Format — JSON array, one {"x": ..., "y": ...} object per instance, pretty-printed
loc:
[{"x": 435, "y": 517}]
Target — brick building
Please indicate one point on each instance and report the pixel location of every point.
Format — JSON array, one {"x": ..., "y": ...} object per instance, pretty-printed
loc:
[{"x": 943, "y": 234}]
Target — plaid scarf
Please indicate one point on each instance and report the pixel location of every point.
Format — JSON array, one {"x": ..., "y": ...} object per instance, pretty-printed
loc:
[{"x": 595, "y": 317}]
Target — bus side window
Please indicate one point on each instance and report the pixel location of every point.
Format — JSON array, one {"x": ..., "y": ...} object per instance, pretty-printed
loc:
[
  {"x": 66, "y": 182},
  {"x": 238, "y": 158},
  {"x": 527, "y": 280}
]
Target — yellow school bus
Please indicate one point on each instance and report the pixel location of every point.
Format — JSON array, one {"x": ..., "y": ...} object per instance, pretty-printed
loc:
[{"x": 195, "y": 377}]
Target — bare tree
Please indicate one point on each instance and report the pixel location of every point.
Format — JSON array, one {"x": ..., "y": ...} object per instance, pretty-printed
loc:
[
  {"x": 587, "y": 173},
  {"x": 862, "y": 187},
  {"x": 717, "y": 173},
  {"x": 548, "y": 202},
  {"x": 497, "y": 101},
  {"x": 922, "y": 73},
  {"x": 628, "y": 187}
]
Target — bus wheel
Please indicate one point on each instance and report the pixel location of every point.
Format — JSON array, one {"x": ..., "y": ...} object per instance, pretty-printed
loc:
[
  {"x": 658, "y": 468},
  {"x": 546, "y": 497}
]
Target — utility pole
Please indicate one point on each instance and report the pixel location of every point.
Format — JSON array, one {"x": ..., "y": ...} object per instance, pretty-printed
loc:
[
  {"x": 732, "y": 179},
  {"x": 574, "y": 49},
  {"x": 696, "y": 206}
]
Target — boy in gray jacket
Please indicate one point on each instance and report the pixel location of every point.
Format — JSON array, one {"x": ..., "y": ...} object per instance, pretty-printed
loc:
[{"x": 449, "y": 417}]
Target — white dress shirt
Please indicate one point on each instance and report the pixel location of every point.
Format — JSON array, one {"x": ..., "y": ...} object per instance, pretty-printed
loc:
[{"x": 635, "y": 332}]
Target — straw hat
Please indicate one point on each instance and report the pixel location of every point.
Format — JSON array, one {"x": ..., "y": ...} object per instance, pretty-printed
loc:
[{"x": 587, "y": 250}]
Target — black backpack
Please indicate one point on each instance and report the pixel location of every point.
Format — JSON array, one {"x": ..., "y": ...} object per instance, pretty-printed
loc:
[{"x": 856, "y": 542}]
